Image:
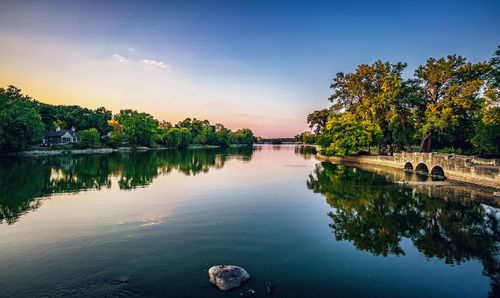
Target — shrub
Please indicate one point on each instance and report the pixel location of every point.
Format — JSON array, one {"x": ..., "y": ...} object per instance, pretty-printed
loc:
[{"x": 89, "y": 138}]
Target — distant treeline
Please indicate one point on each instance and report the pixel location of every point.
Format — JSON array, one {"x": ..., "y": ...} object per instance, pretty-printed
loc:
[
  {"x": 450, "y": 105},
  {"x": 276, "y": 141},
  {"x": 23, "y": 121}
]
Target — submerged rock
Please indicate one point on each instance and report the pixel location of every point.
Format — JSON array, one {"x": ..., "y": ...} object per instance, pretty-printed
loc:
[
  {"x": 269, "y": 287},
  {"x": 227, "y": 277}
]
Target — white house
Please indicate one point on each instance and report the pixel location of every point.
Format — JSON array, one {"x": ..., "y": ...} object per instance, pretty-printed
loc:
[{"x": 60, "y": 136}]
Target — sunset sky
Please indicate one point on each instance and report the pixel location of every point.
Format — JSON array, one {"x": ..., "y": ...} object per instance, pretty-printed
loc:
[{"x": 258, "y": 64}]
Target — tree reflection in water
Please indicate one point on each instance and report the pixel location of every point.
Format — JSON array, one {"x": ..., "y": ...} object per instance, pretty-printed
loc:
[
  {"x": 25, "y": 180},
  {"x": 375, "y": 215},
  {"x": 306, "y": 151}
]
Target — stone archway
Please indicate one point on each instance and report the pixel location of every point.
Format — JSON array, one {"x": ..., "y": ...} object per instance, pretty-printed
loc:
[
  {"x": 408, "y": 166},
  {"x": 422, "y": 168},
  {"x": 437, "y": 171}
]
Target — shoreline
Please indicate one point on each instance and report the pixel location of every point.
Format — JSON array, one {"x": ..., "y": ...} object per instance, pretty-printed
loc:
[{"x": 37, "y": 153}]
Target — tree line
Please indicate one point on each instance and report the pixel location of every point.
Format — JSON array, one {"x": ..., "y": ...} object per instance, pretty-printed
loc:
[
  {"x": 449, "y": 105},
  {"x": 23, "y": 120}
]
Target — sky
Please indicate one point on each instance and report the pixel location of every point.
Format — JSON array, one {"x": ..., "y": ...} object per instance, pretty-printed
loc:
[{"x": 258, "y": 64}]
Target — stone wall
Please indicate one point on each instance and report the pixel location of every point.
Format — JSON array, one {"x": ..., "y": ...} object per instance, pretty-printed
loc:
[{"x": 457, "y": 167}]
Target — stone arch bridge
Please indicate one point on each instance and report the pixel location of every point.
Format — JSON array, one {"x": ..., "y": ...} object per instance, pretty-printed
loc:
[{"x": 458, "y": 167}]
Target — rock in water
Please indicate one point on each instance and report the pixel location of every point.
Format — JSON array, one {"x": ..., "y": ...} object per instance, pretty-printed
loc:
[
  {"x": 227, "y": 277},
  {"x": 269, "y": 287}
]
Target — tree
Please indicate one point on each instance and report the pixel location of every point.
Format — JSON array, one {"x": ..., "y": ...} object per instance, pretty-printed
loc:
[
  {"x": 203, "y": 133},
  {"x": 89, "y": 138},
  {"x": 98, "y": 119},
  {"x": 67, "y": 117},
  {"x": 222, "y": 136},
  {"x": 307, "y": 137},
  {"x": 20, "y": 123},
  {"x": 178, "y": 137},
  {"x": 345, "y": 135},
  {"x": 449, "y": 103},
  {"x": 165, "y": 125},
  {"x": 486, "y": 140},
  {"x": 243, "y": 136},
  {"x": 116, "y": 134},
  {"x": 138, "y": 128},
  {"x": 194, "y": 126},
  {"x": 378, "y": 94},
  {"x": 451, "y": 88},
  {"x": 317, "y": 120},
  {"x": 205, "y": 136}
]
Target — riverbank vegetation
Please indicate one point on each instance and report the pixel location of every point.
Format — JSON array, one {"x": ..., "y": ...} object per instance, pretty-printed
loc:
[
  {"x": 23, "y": 121},
  {"x": 449, "y": 104}
]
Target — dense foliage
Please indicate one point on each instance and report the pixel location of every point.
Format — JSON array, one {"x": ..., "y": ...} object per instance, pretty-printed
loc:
[
  {"x": 89, "y": 138},
  {"x": 345, "y": 135},
  {"x": 177, "y": 137},
  {"x": 449, "y": 103},
  {"x": 23, "y": 121},
  {"x": 307, "y": 137},
  {"x": 138, "y": 128},
  {"x": 67, "y": 117},
  {"x": 20, "y": 122}
]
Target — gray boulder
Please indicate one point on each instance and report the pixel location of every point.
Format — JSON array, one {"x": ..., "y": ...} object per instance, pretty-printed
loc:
[{"x": 227, "y": 277}]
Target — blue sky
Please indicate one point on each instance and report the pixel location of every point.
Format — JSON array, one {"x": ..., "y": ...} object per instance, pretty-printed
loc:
[{"x": 257, "y": 64}]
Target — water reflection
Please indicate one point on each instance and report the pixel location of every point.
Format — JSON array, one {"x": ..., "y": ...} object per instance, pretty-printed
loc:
[
  {"x": 376, "y": 215},
  {"x": 306, "y": 151},
  {"x": 24, "y": 180}
]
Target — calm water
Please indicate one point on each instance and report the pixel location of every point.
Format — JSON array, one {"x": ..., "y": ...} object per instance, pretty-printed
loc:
[{"x": 151, "y": 224}]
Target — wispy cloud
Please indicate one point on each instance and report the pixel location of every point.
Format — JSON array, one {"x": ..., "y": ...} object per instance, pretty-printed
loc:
[
  {"x": 131, "y": 50},
  {"x": 154, "y": 64},
  {"x": 147, "y": 63},
  {"x": 119, "y": 58}
]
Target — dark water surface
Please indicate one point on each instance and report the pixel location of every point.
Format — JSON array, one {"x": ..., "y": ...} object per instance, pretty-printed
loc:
[{"x": 150, "y": 225}]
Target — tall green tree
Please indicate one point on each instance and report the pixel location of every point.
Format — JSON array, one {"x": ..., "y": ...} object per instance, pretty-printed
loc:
[
  {"x": 317, "y": 120},
  {"x": 178, "y": 137},
  {"x": 377, "y": 93},
  {"x": 243, "y": 136},
  {"x": 138, "y": 128},
  {"x": 486, "y": 140},
  {"x": 222, "y": 136},
  {"x": 345, "y": 135},
  {"x": 20, "y": 122},
  {"x": 89, "y": 138},
  {"x": 205, "y": 136},
  {"x": 194, "y": 125},
  {"x": 451, "y": 87}
]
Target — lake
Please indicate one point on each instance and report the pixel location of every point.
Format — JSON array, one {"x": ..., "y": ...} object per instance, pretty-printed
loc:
[{"x": 150, "y": 224}]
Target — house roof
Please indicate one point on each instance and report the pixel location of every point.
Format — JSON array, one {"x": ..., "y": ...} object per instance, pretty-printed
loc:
[{"x": 58, "y": 133}]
